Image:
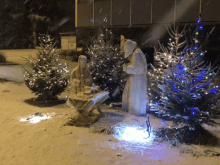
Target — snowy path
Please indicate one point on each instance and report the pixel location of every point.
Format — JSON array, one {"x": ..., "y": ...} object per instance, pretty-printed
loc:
[{"x": 14, "y": 72}]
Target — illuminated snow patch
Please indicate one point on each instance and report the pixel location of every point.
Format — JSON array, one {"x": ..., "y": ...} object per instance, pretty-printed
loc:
[
  {"x": 133, "y": 134},
  {"x": 37, "y": 117}
]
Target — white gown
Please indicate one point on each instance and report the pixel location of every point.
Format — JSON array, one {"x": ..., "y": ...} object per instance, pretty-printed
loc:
[{"x": 135, "y": 91}]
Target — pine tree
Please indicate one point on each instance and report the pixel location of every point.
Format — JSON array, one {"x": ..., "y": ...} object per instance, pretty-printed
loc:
[
  {"x": 164, "y": 58},
  {"x": 188, "y": 94},
  {"x": 107, "y": 61},
  {"x": 49, "y": 77}
]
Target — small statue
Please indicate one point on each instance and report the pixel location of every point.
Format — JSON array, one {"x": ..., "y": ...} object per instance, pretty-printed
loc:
[
  {"x": 134, "y": 96},
  {"x": 80, "y": 76},
  {"x": 84, "y": 95}
]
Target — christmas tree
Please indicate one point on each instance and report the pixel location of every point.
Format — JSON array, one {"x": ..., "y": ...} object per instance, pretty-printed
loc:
[
  {"x": 107, "y": 60},
  {"x": 188, "y": 94},
  {"x": 49, "y": 77},
  {"x": 164, "y": 58}
]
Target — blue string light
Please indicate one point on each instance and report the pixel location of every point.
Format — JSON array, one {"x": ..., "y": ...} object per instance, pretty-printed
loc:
[
  {"x": 180, "y": 67},
  {"x": 194, "y": 110},
  {"x": 214, "y": 90},
  {"x": 200, "y": 27},
  {"x": 195, "y": 80}
]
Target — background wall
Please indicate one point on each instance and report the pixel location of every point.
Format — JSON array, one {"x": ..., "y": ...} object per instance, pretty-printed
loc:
[{"x": 142, "y": 12}]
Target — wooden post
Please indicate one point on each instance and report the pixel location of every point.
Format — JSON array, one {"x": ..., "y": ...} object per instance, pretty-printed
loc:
[
  {"x": 76, "y": 6},
  {"x": 122, "y": 41}
]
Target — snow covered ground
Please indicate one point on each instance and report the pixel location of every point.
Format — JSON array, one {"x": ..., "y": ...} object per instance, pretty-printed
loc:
[{"x": 50, "y": 143}]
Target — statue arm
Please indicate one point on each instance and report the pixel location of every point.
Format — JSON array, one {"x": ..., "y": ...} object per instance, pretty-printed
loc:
[
  {"x": 138, "y": 65},
  {"x": 74, "y": 82},
  {"x": 130, "y": 69}
]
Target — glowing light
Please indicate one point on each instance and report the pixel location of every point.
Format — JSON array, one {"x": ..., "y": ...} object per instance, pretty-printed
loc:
[
  {"x": 35, "y": 118},
  {"x": 200, "y": 27},
  {"x": 133, "y": 134}
]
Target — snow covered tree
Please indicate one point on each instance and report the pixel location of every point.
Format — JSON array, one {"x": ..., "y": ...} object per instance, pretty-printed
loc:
[
  {"x": 107, "y": 61},
  {"x": 49, "y": 77},
  {"x": 188, "y": 94},
  {"x": 165, "y": 57}
]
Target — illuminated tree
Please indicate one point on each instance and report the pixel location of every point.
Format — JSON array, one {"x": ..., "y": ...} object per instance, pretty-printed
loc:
[{"x": 49, "y": 77}]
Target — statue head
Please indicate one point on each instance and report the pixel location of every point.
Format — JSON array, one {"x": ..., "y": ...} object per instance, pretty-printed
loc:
[
  {"x": 82, "y": 61},
  {"x": 129, "y": 47}
]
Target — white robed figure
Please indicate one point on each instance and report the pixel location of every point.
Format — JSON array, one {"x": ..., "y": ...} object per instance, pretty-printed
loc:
[
  {"x": 135, "y": 92},
  {"x": 80, "y": 76}
]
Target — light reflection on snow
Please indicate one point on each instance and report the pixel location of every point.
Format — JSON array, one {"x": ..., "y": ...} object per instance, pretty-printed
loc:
[
  {"x": 133, "y": 134},
  {"x": 35, "y": 119}
]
